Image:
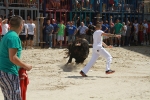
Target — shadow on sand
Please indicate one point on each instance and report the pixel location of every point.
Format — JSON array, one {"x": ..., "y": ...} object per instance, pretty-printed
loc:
[{"x": 145, "y": 50}]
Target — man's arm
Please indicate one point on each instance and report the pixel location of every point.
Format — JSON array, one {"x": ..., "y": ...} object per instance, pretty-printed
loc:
[
  {"x": 110, "y": 35},
  {"x": 14, "y": 59}
]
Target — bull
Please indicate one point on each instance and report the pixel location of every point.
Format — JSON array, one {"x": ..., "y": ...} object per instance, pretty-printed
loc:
[{"x": 79, "y": 50}]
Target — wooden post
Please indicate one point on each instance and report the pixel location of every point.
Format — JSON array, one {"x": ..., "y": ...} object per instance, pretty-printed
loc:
[{"x": 41, "y": 30}]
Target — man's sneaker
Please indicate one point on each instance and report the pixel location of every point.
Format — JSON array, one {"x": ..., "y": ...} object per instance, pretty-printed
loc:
[
  {"x": 83, "y": 74},
  {"x": 110, "y": 71}
]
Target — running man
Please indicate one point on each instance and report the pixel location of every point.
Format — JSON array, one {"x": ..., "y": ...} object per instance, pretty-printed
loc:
[{"x": 99, "y": 50}]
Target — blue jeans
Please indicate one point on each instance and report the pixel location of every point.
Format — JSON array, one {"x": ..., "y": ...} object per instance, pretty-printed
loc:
[
  {"x": 50, "y": 40},
  {"x": 71, "y": 38}
]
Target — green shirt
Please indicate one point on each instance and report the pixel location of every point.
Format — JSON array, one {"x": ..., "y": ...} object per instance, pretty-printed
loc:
[
  {"x": 10, "y": 40},
  {"x": 61, "y": 29},
  {"x": 118, "y": 28}
]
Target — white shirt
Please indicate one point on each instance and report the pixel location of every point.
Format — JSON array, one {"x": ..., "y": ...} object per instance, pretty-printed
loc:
[
  {"x": 31, "y": 28},
  {"x": 136, "y": 27},
  {"x": 145, "y": 27},
  {"x": 24, "y": 30},
  {"x": 4, "y": 28},
  {"x": 97, "y": 38}
]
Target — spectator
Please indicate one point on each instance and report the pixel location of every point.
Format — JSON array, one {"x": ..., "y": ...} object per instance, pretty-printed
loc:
[
  {"x": 54, "y": 32},
  {"x": 71, "y": 32},
  {"x": 67, "y": 30},
  {"x": 145, "y": 26},
  {"x": 140, "y": 33},
  {"x": 117, "y": 30},
  {"x": 132, "y": 32},
  {"x": 5, "y": 27},
  {"x": 123, "y": 35},
  {"x": 49, "y": 30},
  {"x": 136, "y": 30},
  {"x": 90, "y": 33},
  {"x": 61, "y": 31},
  {"x": 104, "y": 5},
  {"x": 23, "y": 35},
  {"x": 82, "y": 31},
  {"x": 111, "y": 30},
  {"x": 128, "y": 34},
  {"x": 91, "y": 4},
  {"x": 104, "y": 29},
  {"x": 31, "y": 33},
  {"x": 111, "y": 4}
]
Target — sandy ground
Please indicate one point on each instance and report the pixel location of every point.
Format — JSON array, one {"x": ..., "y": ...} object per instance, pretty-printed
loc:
[{"x": 51, "y": 79}]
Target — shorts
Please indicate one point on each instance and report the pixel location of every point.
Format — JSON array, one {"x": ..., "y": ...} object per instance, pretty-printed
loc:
[
  {"x": 10, "y": 86},
  {"x": 30, "y": 37},
  {"x": 59, "y": 37},
  {"x": 54, "y": 36},
  {"x": 22, "y": 37}
]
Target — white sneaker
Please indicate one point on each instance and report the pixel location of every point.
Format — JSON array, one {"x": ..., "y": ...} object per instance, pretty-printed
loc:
[
  {"x": 49, "y": 48},
  {"x": 119, "y": 46}
]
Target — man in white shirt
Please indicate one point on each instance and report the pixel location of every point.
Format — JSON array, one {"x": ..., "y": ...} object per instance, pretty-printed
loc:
[
  {"x": 5, "y": 27},
  {"x": 136, "y": 25},
  {"x": 31, "y": 33},
  {"x": 145, "y": 25},
  {"x": 98, "y": 50},
  {"x": 23, "y": 35}
]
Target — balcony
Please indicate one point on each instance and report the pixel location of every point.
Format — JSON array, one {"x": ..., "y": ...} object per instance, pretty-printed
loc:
[{"x": 21, "y": 4}]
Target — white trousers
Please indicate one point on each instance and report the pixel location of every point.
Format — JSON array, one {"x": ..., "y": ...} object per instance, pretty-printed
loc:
[{"x": 95, "y": 55}]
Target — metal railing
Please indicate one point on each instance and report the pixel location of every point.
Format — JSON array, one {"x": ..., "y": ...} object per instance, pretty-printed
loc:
[{"x": 19, "y": 3}]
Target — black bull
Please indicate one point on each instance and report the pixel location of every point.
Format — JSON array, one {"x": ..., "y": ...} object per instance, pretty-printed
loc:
[{"x": 79, "y": 50}]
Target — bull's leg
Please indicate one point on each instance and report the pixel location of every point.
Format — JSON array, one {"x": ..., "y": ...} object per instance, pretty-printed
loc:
[{"x": 70, "y": 59}]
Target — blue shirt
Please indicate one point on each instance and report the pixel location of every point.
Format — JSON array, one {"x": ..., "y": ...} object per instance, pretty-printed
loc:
[
  {"x": 71, "y": 30},
  {"x": 103, "y": 27},
  {"x": 55, "y": 27},
  {"x": 107, "y": 26},
  {"x": 49, "y": 29},
  {"x": 82, "y": 29}
]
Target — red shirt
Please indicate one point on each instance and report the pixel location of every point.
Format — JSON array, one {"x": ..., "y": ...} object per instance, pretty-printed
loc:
[
  {"x": 0, "y": 28},
  {"x": 111, "y": 1}
]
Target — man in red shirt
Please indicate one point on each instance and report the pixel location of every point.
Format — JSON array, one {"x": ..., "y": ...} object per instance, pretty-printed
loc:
[
  {"x": 0, "y": 28},
  {"x": 148, "y": 31}
]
